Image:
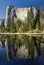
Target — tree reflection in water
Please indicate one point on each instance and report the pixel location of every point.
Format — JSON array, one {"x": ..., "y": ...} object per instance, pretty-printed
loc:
[{"x": 21, "y": 46}]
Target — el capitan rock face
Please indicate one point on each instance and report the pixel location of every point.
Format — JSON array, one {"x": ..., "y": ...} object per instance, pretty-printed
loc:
[{"x": 13, "y": 13}]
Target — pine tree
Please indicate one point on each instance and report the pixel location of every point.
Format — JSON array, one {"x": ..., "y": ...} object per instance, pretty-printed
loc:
[
  {"x": 8, "y": 27},
  {"x": 18, "y": 24},
  {"x": 12, "y": 27},
  {"x": 30, "y": 19},
  {"x": 2, "y": 27},
  {"x": 37, "y": 25}
]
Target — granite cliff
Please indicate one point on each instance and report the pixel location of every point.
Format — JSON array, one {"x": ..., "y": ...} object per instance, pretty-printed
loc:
[{"x": 13, "y": 13}]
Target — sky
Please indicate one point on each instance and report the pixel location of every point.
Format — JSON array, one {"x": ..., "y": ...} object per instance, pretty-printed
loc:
[{"x": 19, "y": 3}]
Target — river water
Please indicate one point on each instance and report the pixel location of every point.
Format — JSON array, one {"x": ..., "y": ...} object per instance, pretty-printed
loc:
[{"x": 21, "y": 51}]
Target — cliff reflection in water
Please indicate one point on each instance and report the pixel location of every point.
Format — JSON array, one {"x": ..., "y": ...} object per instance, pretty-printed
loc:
[{"x": 21, "y": 46}]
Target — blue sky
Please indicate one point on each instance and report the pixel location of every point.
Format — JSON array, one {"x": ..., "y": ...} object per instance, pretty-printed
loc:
[{"x": 18, "y": 3}]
